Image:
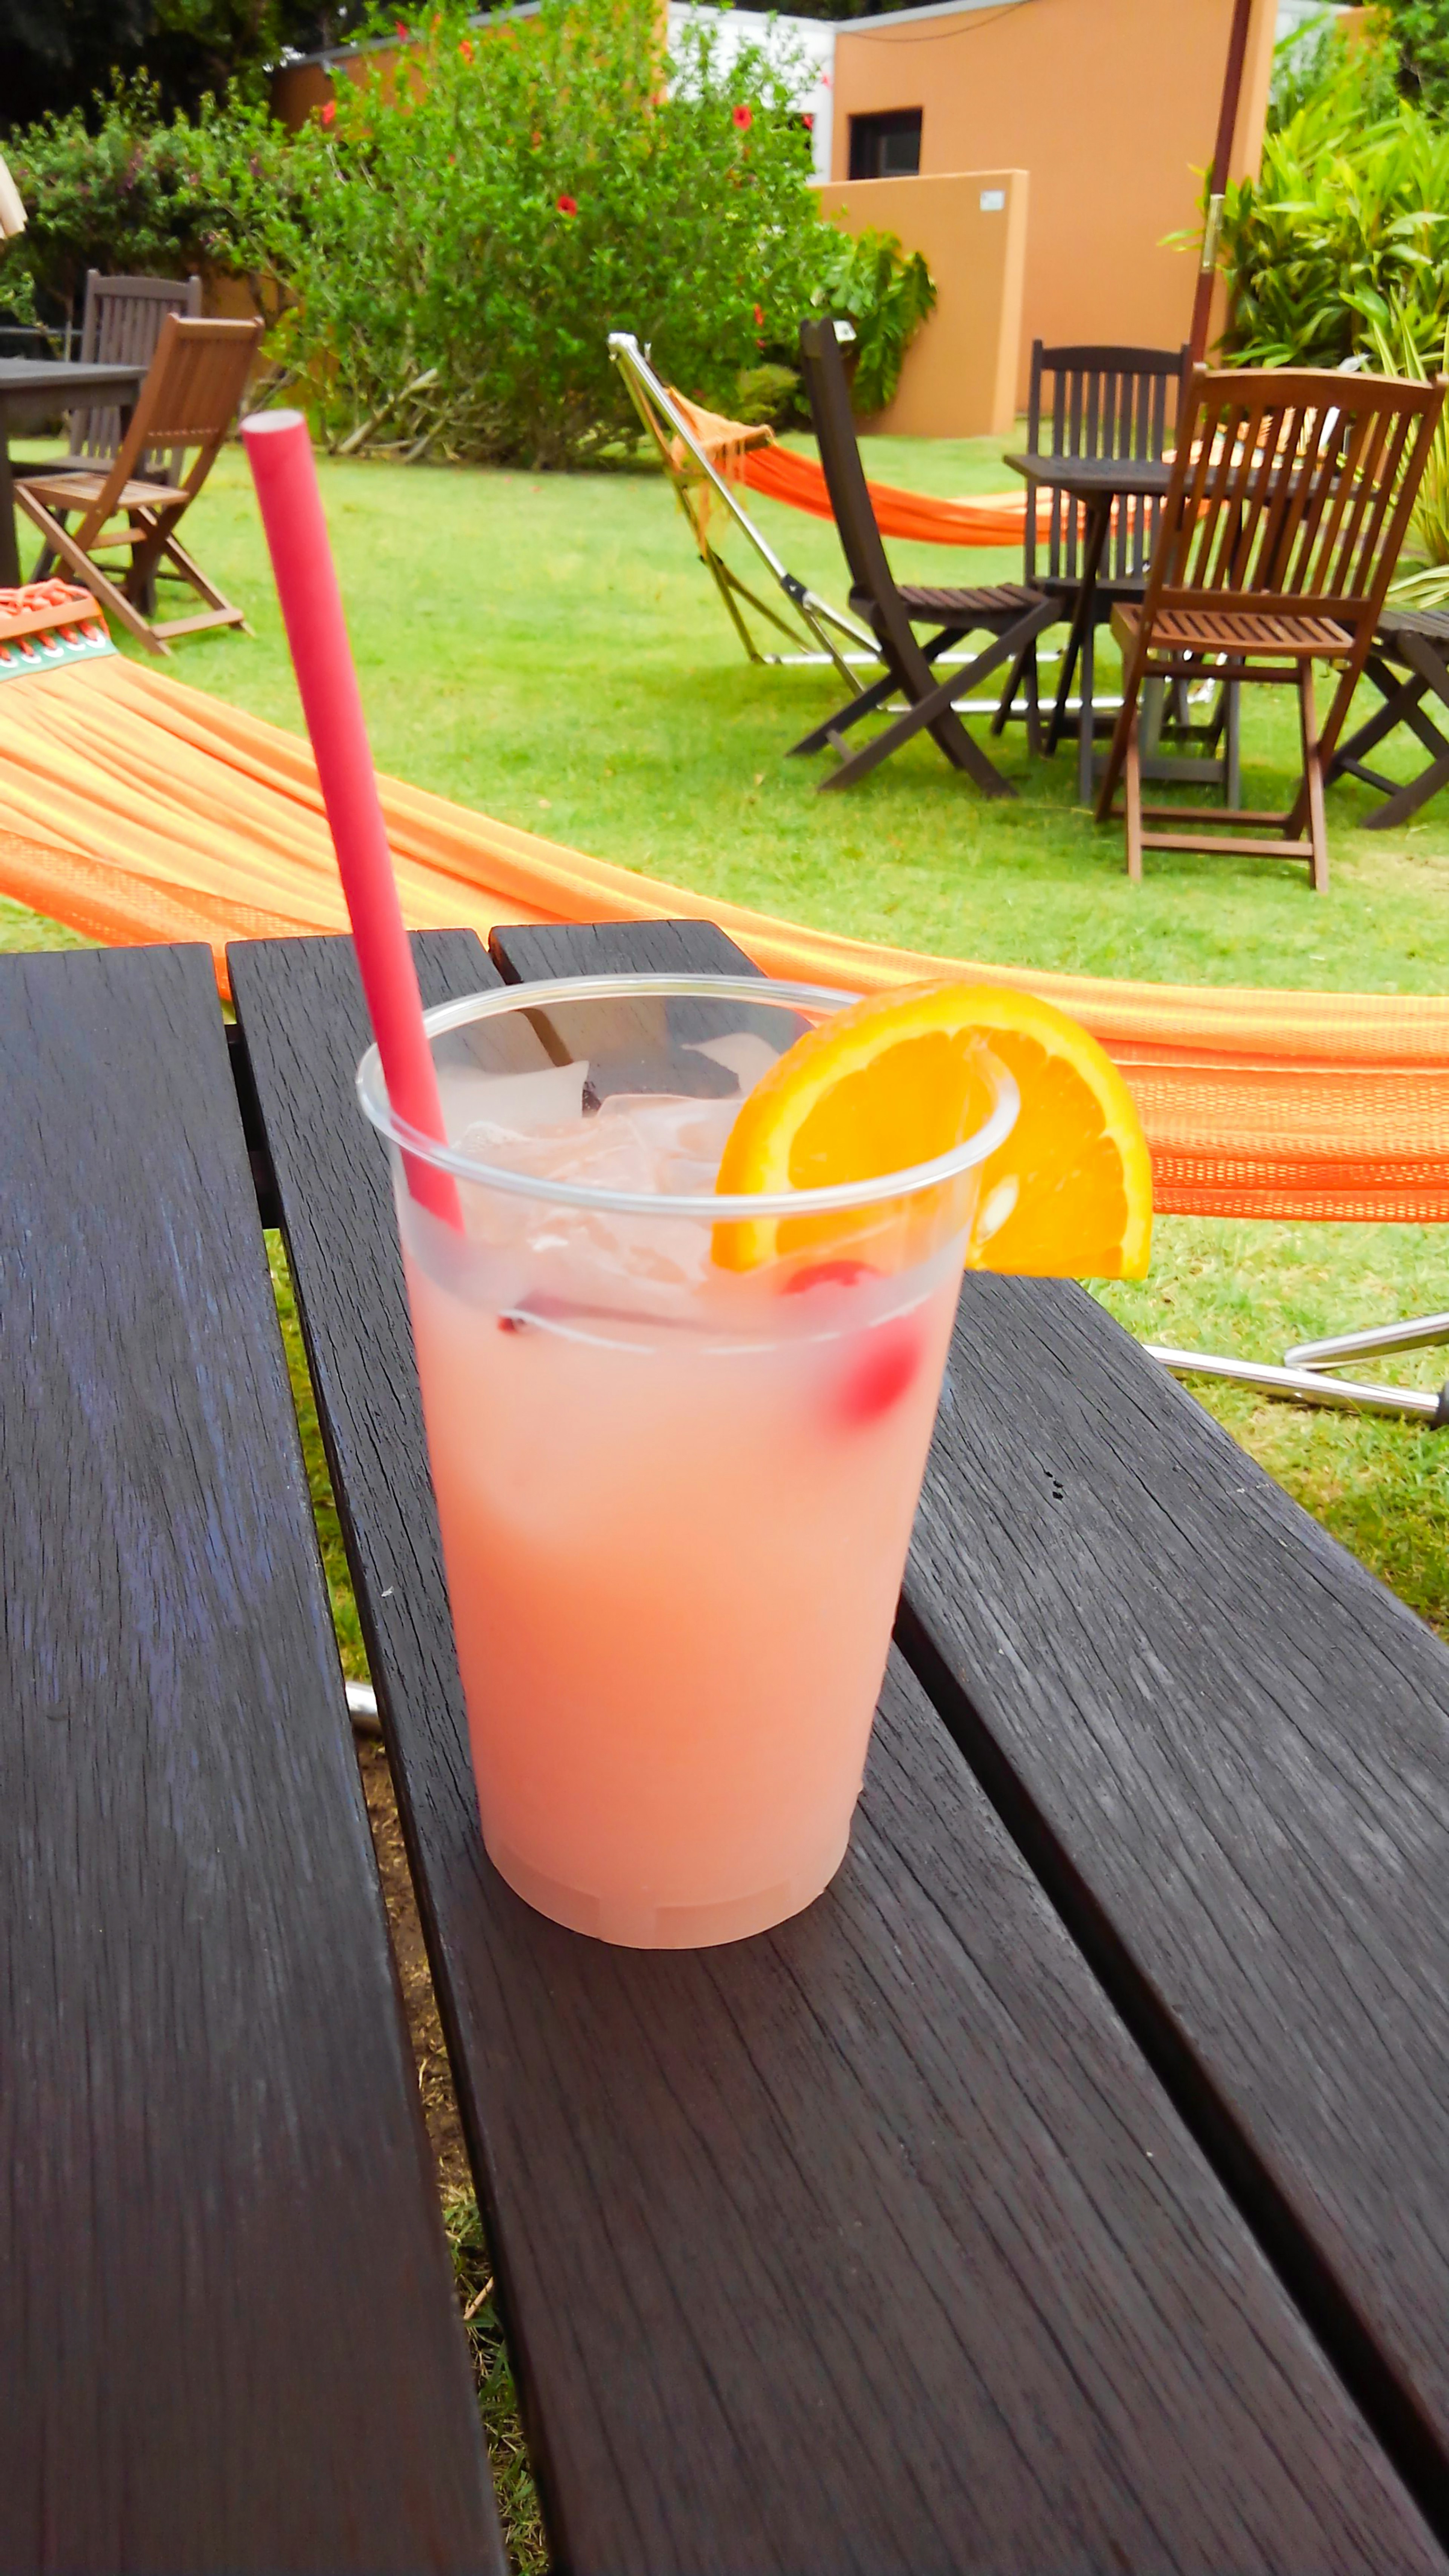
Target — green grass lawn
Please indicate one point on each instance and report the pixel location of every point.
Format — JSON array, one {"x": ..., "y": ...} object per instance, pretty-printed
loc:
[{"x": 548, "y": 649}]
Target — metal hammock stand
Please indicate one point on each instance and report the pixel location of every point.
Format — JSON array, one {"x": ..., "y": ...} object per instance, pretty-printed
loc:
[
  {"x": 1309, "y": 1371},
  {"x": 829, "y": 634}
]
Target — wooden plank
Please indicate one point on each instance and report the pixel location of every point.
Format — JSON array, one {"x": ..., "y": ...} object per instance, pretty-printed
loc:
[
  {"x": 865, "y": 2246},
  {"x": 225, "y": 2302},
  {"x": 1227, "y": 1749}
]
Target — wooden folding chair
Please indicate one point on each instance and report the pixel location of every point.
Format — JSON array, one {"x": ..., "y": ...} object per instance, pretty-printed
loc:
[
  {"x": 189, "y": 400},
  {"x": 1009, "y": 612},
  {"x": 1290, "y": 499}
]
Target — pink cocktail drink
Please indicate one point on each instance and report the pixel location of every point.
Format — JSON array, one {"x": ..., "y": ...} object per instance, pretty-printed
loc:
[{"x": 674, "y": 1498}]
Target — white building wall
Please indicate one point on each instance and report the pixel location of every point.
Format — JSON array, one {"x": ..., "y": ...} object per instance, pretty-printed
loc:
[{"x": 804, "y": 48}]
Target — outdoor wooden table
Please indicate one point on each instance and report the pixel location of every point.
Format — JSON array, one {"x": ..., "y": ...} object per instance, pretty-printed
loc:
[
  {"x": 32, "y": 391},
  {"x": 1096, "y": 482},
  {"x": 1065, "y": 2191}
]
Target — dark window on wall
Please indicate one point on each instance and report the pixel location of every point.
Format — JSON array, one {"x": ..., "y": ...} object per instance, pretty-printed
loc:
[{"x": 886, "y": 146}]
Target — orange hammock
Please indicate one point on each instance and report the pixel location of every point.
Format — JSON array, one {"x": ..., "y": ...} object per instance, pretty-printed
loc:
[
  {"x": 995, "y": 519},
  {"x": 749, "y": 455},
  {"x": 133, "y": 808}
]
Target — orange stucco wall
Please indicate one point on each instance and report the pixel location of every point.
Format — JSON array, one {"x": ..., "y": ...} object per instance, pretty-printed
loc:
[
  {"x": 960, "y": 373},
  {"x": 1110, "y": 105}
]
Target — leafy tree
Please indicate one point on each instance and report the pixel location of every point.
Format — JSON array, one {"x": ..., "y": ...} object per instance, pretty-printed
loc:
[
  {"x": 1420, "y": 28},
  {"x": 56, "y": 55}
]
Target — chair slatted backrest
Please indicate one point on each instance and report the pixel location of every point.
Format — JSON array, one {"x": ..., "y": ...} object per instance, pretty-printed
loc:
[
  {"x": 190, "y": 398},
  {"x": 828, "y": 390},
  {"x": 121, "y": 326},
  {"x": 1292, "y": 492},
  {"x": 1101, "y": 401}
]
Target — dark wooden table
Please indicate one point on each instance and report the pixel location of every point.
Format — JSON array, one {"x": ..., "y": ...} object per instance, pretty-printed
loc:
[
  {"x": 32, "y": 391},
  {"x": 1096, "y": 482},
  {"x": 1066, "y": 2191}
]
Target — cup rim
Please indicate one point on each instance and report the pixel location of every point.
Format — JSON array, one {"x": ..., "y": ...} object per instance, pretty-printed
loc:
[{"x": 712, "y": 1207}]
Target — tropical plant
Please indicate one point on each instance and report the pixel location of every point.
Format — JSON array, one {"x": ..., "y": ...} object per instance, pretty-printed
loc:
[
  {"x": 1346, "y": 228},
  {"x": 1420, "y": 30},
  {"x": 55, "y": 55},
  {"x": 886, "y": 293},
  {"x": 1427, "y": 586},
  {"x": 1316, "y": 52}
]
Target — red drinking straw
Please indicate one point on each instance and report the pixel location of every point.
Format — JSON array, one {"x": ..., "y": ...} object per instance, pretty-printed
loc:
[{"x": 279, "y": 453}]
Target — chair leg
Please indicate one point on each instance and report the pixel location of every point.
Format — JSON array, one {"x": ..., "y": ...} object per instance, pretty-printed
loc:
[
  {"x": 1233, "y": 745},
  {"x": 1087, "y": 721},
  {"x": 864, "y": 703},
  {"x": 89, "y": 574},
  {"x": 1033, "y": 703},
  {"x": 935, "y": 713},
  {"x": 1132, "y": 797},
  {"x": 1313, "y": 778},
  {"x": 1008, "y": 694},
  {"x": 172, "y": 551},
  {"x": 1117, "y": 753}
]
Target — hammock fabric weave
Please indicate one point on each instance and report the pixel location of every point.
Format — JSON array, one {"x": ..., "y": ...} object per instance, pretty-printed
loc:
[
  {"x": 748, "y": 455},
  {"x": 133, "y": 808}
]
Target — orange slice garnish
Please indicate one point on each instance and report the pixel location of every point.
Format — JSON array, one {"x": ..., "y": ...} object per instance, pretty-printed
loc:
[{"x": 905, "y": 1076}]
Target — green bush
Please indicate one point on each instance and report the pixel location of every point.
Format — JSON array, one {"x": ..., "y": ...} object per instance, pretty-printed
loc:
[
  {"x": 1345, "y": 230},
  {"x": 475, "y": 230},
  {"x": 137, "y": 191},
  {"x": 1420, "y": 31},
  {"x": 449, "y": 242}
]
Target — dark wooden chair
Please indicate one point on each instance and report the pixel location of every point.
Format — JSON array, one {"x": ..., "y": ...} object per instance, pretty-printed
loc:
[
  {"x": 1408, "y": 663},
  {"x": 1290, "y": 498},
  {"x": 188, "y": 402},
  {"x": 1010, "y": 613},
  {"x": 1092, "y": 401},
  {"x": 121, "y": 325}
]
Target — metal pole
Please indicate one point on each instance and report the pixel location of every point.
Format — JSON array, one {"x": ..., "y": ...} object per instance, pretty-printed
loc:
[{"x": 1217, "y": 185}]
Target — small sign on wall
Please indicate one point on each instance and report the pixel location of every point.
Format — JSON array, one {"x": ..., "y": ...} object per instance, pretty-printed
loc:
[{"x": 993, "y": 201}]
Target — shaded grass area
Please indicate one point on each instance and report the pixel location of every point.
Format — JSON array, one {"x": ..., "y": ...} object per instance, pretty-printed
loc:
[{"x": 497, "y": 2397}]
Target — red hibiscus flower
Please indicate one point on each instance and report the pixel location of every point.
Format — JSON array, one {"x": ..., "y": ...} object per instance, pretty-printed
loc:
[
  {"x": 808, "y": 121},
  {"x": 329, "y": 112},
  {"x": 402, "y": 31},
  {"x": 759, "y": 317},
  {"x": 568, "y": 205},
  {"x": 466, "y": 50},
  {"x": 743, "y": 117}
]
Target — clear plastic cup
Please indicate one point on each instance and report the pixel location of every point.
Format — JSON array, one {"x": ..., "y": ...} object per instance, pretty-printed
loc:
[{"x": 675, "y": 1493}]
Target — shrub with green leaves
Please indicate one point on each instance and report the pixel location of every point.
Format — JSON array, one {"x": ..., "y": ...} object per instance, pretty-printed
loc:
[
  {"x": 1420, "y": 31},
  {"x": 476, "y": 232},
  {"x": 452, "y": 238},
  {"x": 137, "y": 191},
  {"x": 1346, "y": 229}
]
